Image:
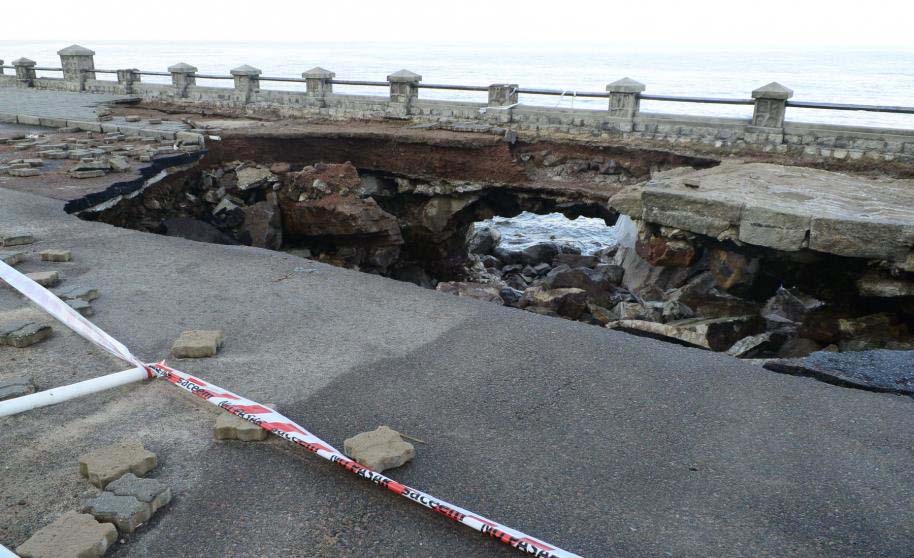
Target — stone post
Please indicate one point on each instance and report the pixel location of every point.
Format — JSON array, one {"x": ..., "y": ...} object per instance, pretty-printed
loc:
[
  {"x": 318, "y": 80},
  {"x": 404, "y": 88},
  {"x": 625, "y": 100},
  {"x": 502, "y": 94},
  {"x": 247, "y": 82},
  {"x": 183, "y": 76},
  {"x": 126, "y": 78},
  {"x": 25, "y": 71},
  {"x": 78, "y": 64},
  {"x": 770, "y": 105}
]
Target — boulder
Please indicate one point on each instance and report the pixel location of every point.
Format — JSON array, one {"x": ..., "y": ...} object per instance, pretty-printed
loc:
[
  {"x": 478, "y": 291},
  {"x": 637, "y": 311},
  {"x": 483, "y": 240},
  {"x": 752, "y": 346},
  {"x": 673, "y": 310},
  {"x": 732, "y": 269},
  {"x": 544, "y": 252},
  {"x": 568, "y": 302},
  {"x": 263, "y": 224},
  {"x": 661, "y": 251},
  {"x": 874, "y": 284},
  {"x": 798, "y": 347},
  {"x": 510, "y": 296},
  {"x": 575, "y": 260}
]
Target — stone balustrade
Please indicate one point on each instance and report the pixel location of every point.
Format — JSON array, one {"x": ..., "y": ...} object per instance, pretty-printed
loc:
[{"x": 766, "y": 131}]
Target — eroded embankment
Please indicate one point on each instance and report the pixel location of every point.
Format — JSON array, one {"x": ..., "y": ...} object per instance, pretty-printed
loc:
[{"x": 403, "y": 205}]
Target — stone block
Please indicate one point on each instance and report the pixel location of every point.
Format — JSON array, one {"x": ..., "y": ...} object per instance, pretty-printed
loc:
[
  {"x": 107, "y": 464},
  {"x": 84, "y": 308},
  {"x": 16, "y": 239},
  {"x": 150, "y": 491},
  {"x": 197, "y": 344},
  {"x": 231, "y": 427},
  {"x": 125, "y": 512},
  {"x": 81, "y": 174},
  {"x": 16, "y": 387},
  {"x": 76, "y": 292},
  {"x": 379, "y": 449},
  {"x": 45, "y": 278},
  {"x": 72, "y": 535},
  {"x": 55, "y": 255},
  {"x": 23, "y": 334},
  {"x": 11, "y": 258},
  {"x": 23, "y": 173}
]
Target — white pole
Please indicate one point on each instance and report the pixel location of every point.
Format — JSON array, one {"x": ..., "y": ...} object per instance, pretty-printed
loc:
[
  {"x": 7, "y": 553},
  {"x": 72, "y": 391}
]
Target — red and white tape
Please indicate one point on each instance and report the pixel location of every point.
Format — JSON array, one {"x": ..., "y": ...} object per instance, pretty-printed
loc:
[{"x": 273, "y": 421}]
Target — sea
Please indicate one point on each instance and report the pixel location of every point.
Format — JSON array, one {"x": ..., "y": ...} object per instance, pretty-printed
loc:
[{"x": 826, "y": 74}]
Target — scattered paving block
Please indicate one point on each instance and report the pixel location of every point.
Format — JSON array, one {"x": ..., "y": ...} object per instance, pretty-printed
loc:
[
  {"x": 16, "y": 387},
  {"x": 45, "y": 278},
  {"x": 131, "y": 118},
  {"x": 34, "y": 162},
  {"x": 12, "y": 258},
  {"x": 125, "y": 512},
  {"x": 197, "y": 344},
  {"x": 55, "y": 255},
  {"x": 84, "y": 308},
  {"x": 87, "y": 174},
  {"x": 119, "y": 164},
  {"x": 16, "y": 239},
  {"x": 379, "y": 449},
  {"x": 150, "y": 491},
  {"x": 23, "y": 334},
  {"x": 155, "y": 121},
  {"x": 22, "y": 173},
  {"x": 57, "y": 154},
  {"x": 73, "y": 535},
  {"x": 107, "y": 464},
  {"x": 76, "y": 292},
  {"x": 231, "y": 427}
]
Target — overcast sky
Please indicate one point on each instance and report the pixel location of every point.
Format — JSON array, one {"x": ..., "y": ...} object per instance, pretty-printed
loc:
[{"x": 725, "y": 24}]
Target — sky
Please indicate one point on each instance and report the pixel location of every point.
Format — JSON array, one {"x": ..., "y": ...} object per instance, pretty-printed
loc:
[{"x": 724, "y": 24}]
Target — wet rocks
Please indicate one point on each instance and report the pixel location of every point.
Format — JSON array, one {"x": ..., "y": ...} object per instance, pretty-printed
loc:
[
  {"x": 483, "y": 240},
  {"x": 379, "y": 449}
]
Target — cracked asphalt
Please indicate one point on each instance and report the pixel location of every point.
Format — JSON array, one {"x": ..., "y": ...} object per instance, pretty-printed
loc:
[{"x": 600, "y": 442}]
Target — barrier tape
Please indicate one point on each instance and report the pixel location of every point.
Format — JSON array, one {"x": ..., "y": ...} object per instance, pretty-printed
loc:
[{"x": 272, "y": 421}]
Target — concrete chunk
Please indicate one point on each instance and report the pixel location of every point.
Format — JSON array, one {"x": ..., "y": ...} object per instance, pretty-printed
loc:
[
  {"x": 24, "y": 334},
  {"x": 45, "y": 278},
  {"x": 55, "y": 255},
  {"x": 76, "y": 292},
  {"x": 151, "y": 491},
  {"x": 16, "y": 387},
  {"x": 379, "y": 449},
  {"x": 73, "y": 535},
  {"x": 16, "y": 239},
  {"x": 197, "y": 344},
  {"x": 107, "y": 464},
  {"x": 125, "y": 512}
]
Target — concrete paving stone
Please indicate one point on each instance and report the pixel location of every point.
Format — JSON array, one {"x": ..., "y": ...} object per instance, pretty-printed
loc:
[
  {"x": 23, "y": 173},
  {"x": 71, "y": 293},
  {"x": 197, "y": 344},
  {"x": 16, "y": 387},
  {"x": 84, "y": 308},
  {"x": 45, "y": 278},
  {"x": 125, "y": 512},
  {"x": 379, "y": 449},
  {"x": 25, "y": 335},
  {"x": 81, "y": 174},
  {"x": 72, "y": 535},
  {"x": 11, "y": 258},
  {"x": 34, "y": 162},
  {"x": 151, "y": 491},
  {"x": 109, "y": 463},
  {"x": 232, "y": 427},
  {"x": 16, "y": 239},
  {"x": 55, "y": 255}
]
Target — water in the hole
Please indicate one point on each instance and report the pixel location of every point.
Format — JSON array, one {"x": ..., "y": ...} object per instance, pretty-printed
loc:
[{"x": 527, "y": 229}]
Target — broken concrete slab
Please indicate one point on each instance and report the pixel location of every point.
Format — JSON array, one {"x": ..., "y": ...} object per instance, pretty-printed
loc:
[
  {"x": 125, "y": 512},
  {"x": 150, "y": 491},
  {"x": 16, "y": 387},
  {"x": 45, "y": 278},
  {"x": 231, "y": 427},
  {"x": 77, "y": 292},
  {"x": 55, "y": 255},
  {"x": 72, "y": 535},
  {"x": 716, "y": 334},
  {"x": 877, "y": 370},
  {"x": 379, "y": 449},
  {"x": 107, "y": 464},
  {"x": 24, "y": 334},
  {"x": 197, "y": 344}
]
